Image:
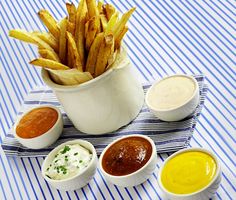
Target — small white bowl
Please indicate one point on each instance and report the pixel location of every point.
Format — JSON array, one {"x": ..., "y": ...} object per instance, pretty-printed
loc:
[
  {"x": 45, "y": 139},
  {"x": 203, "y": 194},
  {"x": 180, "y": 112},
  {"x": 79, "y": 180},
  {"x": 137, "y": 177}
]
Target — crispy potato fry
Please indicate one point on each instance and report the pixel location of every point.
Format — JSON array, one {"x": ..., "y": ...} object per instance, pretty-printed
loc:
[
  {"x": 93, "y": 53},
  {"x": 109, "y": 10},
  {"x": 111, "y": 23},
  {"x": 80, "y": 31},
  {"x": 46, "y": 63},
  {"x": 31, "y": 38},
  {"x": 62, "y": 40},
  {"x": 119, "y": 26},
  {"x": 74, "y": 52},
  {"x": 120, "y": 37},
  {"x": 71, "y": 9},
  {"x": 103, "y": 22},
  {"x": 48, "y": 38},
  {"x": 49, "y": 22},
  {"x": 45, "y": 53},
  {"x": 105, "y": 50},
  {"x": 92, "y": 8},
  {"x": 71, "y": 28},
  {"x": 99, "y": 6},
  {"x": 92, "y": 30}
]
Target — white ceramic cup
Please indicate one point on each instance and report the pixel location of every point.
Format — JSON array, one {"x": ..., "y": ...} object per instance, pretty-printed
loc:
[{"x": 103, "y": 104}]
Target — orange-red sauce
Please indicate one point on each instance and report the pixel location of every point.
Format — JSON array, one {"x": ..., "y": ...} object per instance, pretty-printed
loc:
[
  {"x": 127, "y": 156},
  {"x": 36, "y": 122}
]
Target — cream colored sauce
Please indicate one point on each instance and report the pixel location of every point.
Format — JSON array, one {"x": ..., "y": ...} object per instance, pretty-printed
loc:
[{"x": 171, "y": 92}]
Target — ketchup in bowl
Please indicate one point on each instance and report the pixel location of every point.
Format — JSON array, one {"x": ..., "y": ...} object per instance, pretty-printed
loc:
[
  {"x": 126, "y": 156},
  {"x": 36, "y": 122}
]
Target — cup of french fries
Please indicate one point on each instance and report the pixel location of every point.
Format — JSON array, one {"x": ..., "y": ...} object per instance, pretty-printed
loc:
[{"x": 84, "y": 62}]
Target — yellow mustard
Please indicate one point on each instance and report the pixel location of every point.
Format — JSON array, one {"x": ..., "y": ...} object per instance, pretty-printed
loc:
[{"x": 188, "y": 172}]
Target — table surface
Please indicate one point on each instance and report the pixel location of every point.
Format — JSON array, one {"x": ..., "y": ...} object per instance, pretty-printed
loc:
[{"x": 165, "y": 37}]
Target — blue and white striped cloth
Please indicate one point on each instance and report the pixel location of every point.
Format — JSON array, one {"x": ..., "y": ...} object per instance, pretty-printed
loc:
[
  {"x": 164, "y": 38},
  {"x": 168, "y": 136}
]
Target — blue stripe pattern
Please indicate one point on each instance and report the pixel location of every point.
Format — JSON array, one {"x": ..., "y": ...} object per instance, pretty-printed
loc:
[{"x": 165, "y": 37}]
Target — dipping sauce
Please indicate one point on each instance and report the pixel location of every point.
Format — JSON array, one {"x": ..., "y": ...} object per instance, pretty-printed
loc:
[
  {"x": 188, "y": 172},
  {"x": 68, "y": 162},
  {"x": 171, "y": 92},
  {"x": 36, "y": 122},
  {"x": 126, "y": 156}
]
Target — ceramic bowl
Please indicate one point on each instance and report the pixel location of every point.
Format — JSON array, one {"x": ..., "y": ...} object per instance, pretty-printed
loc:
[
  {"x": 45, "y": 139},
  {"x": 180, "y": 112},
  {"x": 136, "y": 177},
  {"x": 203, "y": 194},
  {"x": 79, "y": 180}
]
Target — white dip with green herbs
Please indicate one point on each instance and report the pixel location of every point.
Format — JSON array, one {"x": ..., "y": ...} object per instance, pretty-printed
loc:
[{"x": 68, "y": 162}]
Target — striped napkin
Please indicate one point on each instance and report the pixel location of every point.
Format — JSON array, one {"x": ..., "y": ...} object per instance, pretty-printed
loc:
[{"x": 168, "y": 136}]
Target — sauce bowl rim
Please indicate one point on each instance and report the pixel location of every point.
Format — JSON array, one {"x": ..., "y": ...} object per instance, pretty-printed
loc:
[
  {"x": 218, "y": 170},
  {"x": 57, "y": 148},
  {"x": 46, "y": 133},
  {"x": 175, "y": 108},
  {"x": 137, "y": 171}
]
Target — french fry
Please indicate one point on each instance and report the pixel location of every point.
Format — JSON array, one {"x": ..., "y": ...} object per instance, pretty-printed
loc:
[
  {"x": 120, "y": 37},
  {"x": 93, "y": 53},
  {"x": 45, "y": 53},
  {"x": 86, "y": 28},
  {"x": 49, "y": 22},
  {"x": 103, "y": 22},
  {"x": 48, "y": 38},
  {"x": 80, "y": 30},
  {"x": 99, "y": 6},
  {"x": 31, "y": 38},
  {"x": 71, "y": 9},
  {"x": 62, "y": 40},
  {"x": 119, "y": 26},
  {"x": 109, "y": 10},
  {"x": 46, "y": 63},
  {"x": 92, "y": 30},
  {"x": 111, "y": 23},
  {"x": 105, "y": 50},
  {"x": 74, "y": 52},
  {"x": 92, "y": 8}
]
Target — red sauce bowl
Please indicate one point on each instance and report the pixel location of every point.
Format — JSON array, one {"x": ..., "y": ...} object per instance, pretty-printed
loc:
[{"x": 129, "y": 160}]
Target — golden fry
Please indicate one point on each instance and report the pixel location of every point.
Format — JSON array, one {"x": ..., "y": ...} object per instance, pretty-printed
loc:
[
  {"x": 71, "y": 9},
  {"x": 92, "y": 30},
  {"x": 111, "y": 23},
  {"x": 99, "y": 6},
  {"x": 74, "y": 52},
  {"x": 45, "y": 53},
  {"x": 103, "y": 22},
  {"x": 93, "y": 53},
  {"x": 92, "y": 8},
  {"x": 119, "y": 26},
  {"x": 120, "y": 37},
  {"x": 105, "y": 50},
  {"x": 49, "y": 22},
  {"x": 109, "y": 10},
  {"x": 48, "y": 38},
  {"x": 62, "y": 40},
  {"x": 71, "y": 28},
  {"x": 46, "y": 63}
]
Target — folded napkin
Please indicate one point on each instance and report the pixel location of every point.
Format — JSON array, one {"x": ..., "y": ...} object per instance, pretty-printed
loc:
[{"x": 168, "y": 136}]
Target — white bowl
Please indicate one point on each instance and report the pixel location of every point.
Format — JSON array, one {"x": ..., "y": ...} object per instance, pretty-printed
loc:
[
  {"x": 137, "y": 177},
  {"x": 45, "y": 139},
  {"x": 79, "y": 180},
  {"x": 105, "y": 103},
  {"x": 203, "y": 194},
  {"x": 180, "y": 112}
]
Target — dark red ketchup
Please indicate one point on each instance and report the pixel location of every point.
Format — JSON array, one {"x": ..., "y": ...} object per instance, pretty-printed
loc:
[{"x": 127, "y": 156}]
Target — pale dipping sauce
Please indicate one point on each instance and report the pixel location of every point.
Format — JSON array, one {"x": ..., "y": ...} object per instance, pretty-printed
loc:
[
  {"x": 171, "y": 92},
  {"x": 188, "y": 172},
  {"x": 69, "y": 162}
]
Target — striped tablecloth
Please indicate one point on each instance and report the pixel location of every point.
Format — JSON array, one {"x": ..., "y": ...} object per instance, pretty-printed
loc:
[{"x": 165, "y": 37}]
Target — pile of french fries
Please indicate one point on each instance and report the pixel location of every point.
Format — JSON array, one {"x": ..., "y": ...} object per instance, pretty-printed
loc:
[{"x": 87, "y": 40}]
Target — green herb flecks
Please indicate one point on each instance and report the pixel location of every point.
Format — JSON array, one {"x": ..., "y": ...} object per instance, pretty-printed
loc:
[
  {"x": 75, "y": 154},
  {"x": 66, "y": 148}
]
